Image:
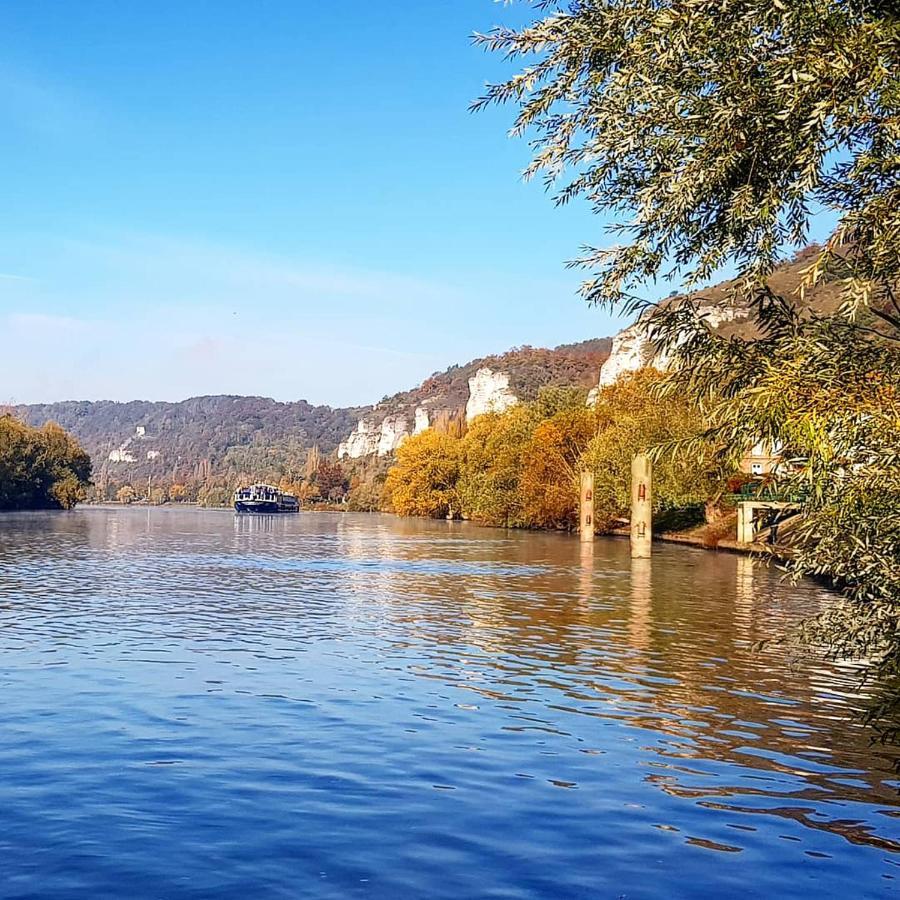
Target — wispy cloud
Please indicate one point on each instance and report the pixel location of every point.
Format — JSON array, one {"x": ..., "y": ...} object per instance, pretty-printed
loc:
[
  {"x": 45, "y": 324},
  {"x": 9, "y": 276},
  {"x": 45, "y": 321},
  {"x": 212, "y": 318},
  {"x": 187, "y": 269}
]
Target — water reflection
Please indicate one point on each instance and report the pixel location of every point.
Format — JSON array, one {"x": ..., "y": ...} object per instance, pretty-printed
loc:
[
  {"x": 641, "y": 603},
  {"x": 438, "y": 709}
]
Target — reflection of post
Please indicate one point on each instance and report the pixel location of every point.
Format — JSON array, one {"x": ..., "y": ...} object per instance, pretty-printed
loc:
[
  {"x": 744, "y": 624},
  {"x": 743, "y": 587},
  {"x": 587, "y": 570},
  {"x": 641, "y": 603},
  {"x": 587, "y": 506},
  {"x": 641, "y": 507}
]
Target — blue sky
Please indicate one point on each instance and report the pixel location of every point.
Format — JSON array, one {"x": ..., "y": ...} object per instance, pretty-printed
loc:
[{"x": 281, "y": 197}]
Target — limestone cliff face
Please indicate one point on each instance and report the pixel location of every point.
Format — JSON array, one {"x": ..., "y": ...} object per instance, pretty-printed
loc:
[
  {"x": 445, "y": 400},
  {"x": 489, "y": 392},
  {"x": 633, "y": 350},
  {"x": 362, "y": 442},
  {"x": 373, "y": 437},
  {"x": 423, "y": 420},
  {"x": 394, "y": 431}
]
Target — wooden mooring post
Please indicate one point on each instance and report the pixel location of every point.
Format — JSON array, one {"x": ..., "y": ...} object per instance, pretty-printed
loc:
[
  {"x": 641, "y": 506},
  {"x": 587, "y": 507}
]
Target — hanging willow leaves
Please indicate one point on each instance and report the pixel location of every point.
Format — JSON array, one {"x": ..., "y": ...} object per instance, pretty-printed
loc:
[{"x": 709, "y": 131}]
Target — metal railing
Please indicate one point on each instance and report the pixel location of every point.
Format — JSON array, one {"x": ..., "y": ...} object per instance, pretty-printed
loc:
[{"x": 769, "y": 492}]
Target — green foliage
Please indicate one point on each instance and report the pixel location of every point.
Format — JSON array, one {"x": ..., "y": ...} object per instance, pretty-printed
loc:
[
  {"x": 40, "y": 468},
  {"x": 520, "y": 468},
  {"x": 632, "y": 419},
  {"x": 716, "y": 127},
  {"x": 67, "y": 491},
  {"x": 214, "y": 495},
  {"x": 828, "y": 394},
  {"x": 491, "y": 466},
  {"x": 126, "y": 494},
  {"x": 221, "y": 437},
  {"x": 554, "y": 399},
  {"x": 551, "y": 462},
  {"x": 366, "y": 478},
  {"x": 227, "y": 440}
]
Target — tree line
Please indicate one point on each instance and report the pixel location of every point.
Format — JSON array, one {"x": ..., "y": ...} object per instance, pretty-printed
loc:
[
  {"x": 40, "y": 468},
  {"x": 315, "y": 479},
  {"x": 521, "y": 468}
]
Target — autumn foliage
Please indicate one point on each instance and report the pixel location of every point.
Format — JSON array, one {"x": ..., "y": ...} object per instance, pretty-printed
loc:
[
  {"x": 423, "y": 481},
  {"x": 521, "y": 468},
  {"x": 40, "y": 468}
]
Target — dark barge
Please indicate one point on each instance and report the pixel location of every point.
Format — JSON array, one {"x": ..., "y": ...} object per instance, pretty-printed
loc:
[{"x": 264, "y": 498}]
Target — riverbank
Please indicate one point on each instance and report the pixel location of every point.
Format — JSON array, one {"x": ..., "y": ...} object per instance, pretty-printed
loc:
[
  {"x": 706, "y": 537},
  {"x": 724, "y": 545},
  {"x": 720, "y": 536}
]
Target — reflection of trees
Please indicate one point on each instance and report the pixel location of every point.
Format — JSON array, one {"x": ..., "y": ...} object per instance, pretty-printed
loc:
[
  {"x": 852, "y": 830},
  {"x": 672, "y": 653},
  {"x": 565, "y": 637}
]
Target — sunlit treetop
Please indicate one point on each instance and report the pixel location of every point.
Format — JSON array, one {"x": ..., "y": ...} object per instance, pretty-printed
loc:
[{"x": 712, "y": 128}]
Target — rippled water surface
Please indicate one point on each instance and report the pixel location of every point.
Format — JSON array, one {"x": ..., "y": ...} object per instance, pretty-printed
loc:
[{"x": 201, "y": 705}]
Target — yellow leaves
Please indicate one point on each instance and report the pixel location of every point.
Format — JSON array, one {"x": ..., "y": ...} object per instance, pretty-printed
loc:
[
  {"x": 40, "y": 467},
  {"x": 550, "y": 464},
  {"x": 511, "y": 468},
  {"x": 422, "y": 481}
]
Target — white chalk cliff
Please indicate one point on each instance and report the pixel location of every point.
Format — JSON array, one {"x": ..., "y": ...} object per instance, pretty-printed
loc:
[
  {"x": 373, "y": 437},
  {"x": 394, "y": 431},
  {"x": 633, "y": 350},
  {"x": 489, "y": 392},
  {"x": 362, "y": 442},
  {"x": 423, "y": 420}
]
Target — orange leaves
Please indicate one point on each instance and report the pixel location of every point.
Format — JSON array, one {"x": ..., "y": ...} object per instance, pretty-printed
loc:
[{"x": 550, "y": 463}]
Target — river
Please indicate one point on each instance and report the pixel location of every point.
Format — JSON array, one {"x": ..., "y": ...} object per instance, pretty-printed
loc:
[{"x": 199, "y": 705}]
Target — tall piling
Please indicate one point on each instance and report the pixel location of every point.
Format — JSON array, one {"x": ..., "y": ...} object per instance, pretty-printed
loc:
[
  {"x": 586, "y": 507},
  {"x": 641, "y": 506}
]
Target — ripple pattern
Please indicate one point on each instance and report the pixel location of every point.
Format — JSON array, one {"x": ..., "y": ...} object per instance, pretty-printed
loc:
[{"x": 201, "y": 705}]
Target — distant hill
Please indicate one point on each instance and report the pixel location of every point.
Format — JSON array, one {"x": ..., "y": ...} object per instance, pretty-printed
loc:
[
  {"x": 529, "y": 369},
  {"x": 227, "y": 437},
  {"x": 632, "y": 349},
  {"x": 189, "y": 439},
  {"x": 479, "y": 385}
]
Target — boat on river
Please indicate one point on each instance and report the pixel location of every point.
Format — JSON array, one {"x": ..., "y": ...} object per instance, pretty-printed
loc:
[{"x": 264, "y": 498}]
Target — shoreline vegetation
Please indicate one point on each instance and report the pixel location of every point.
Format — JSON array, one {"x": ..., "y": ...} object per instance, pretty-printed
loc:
[
  {"x": 647, "y": 112},
  {"x": 520, "y": 468},
  {"x": 517, "y": 469},
  {"x": 40, "y": 468}
]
